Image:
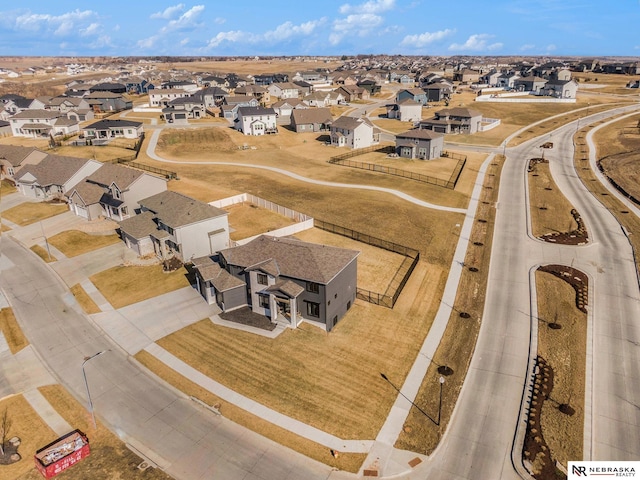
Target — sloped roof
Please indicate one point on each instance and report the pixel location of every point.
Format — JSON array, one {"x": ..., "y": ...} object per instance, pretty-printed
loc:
[
  {"x": 110, "y": 173},
  {"x": 175, "y": 209},
  {"x": 295, "y": 258},
  {"x": 107, "y": 124},
  {"x": 15, "y": 154},
  {"x": 350, "y": 123},
  {"x": 90, "y": 193},
  {"x": 311, "y": 115},
  {"x": 45, "y": 114},
  {"x": 218, "y": 276},
  {"x": 256, "y": 111},
  {"x": 53, "y": 170},
  {"x": 139, "y": 226},
  {"x": 459, "y": 112},
  {"x": 420, "y": 134}
]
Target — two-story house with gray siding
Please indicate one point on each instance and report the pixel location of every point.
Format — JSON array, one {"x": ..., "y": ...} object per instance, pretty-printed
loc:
[
  {"x": 285, "y": 279},
  {"x": 171, "y": 224}
]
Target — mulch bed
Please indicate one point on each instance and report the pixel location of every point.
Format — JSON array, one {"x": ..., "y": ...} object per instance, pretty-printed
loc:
[
  {"x": 245, "y": 316},
  {"x": 11, "y": 454},
  {"x": 577, "y": 279},
  {"x": 578, "y": 236}
]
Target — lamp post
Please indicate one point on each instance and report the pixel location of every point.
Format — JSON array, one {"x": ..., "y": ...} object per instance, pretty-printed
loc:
[
  {"x": 440, "y": 403},
  {"x": 86, "y": 384}
]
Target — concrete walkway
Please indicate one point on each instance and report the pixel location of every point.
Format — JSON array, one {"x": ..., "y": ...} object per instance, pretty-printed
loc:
[
  {"x": 153, "y": 141},
  {"x": 50, "y": 416}
]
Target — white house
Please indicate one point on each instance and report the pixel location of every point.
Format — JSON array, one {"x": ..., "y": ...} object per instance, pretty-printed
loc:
[
  {"x": 353, "y": 132},
  {"x": 256, "y": 121},
  {"x": 406, "y": 110},
  {"x": 171, "y": 224},
  {"x": 109, "y": 129},
  {"x": 42, "y": 123},
  {"x": 284, "y": 90},
  {"x": 160, "y": 97}
]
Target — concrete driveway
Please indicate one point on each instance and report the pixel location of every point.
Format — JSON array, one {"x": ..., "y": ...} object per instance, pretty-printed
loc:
[{"x": 139, "y": 325}]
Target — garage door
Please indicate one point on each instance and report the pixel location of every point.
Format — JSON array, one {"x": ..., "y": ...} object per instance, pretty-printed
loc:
[{"x": 81, "y": 211}]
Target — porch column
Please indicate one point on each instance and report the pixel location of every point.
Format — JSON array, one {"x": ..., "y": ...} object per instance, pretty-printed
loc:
[
  {"x": 294, "y": 312},
  {"x": 273, "y": 307}
]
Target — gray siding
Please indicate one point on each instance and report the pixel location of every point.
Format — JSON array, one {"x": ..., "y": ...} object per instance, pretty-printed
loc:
[
  {"x": 234, "y": 298},
  {"x": 341, "y": 294}
]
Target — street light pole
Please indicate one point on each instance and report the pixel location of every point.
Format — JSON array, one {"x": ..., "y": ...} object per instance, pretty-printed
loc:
[
  {"x": 440, "y": 404},
  {"x": 86, "y": 384}
]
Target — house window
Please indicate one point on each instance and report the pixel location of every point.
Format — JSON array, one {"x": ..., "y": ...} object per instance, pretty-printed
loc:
[
  {"x": 262, "y": 279},
  {"x": 263, "y": 301},
  {"x": 124, "y": 210},
  {"x": 313, "y": 309},
  {"x": 116, "y": 192},
  {"x": 313, "y": 287}
]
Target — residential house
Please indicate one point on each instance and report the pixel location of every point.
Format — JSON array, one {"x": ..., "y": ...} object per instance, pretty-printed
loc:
[
  {"x": 211, "y": 96},
  {"x": 311, "y": 120},
  {"x": 508, "y": 80},
  {"x": 305, "y": 88},
  {"x": 438, "y": 92},
  {"x": 5, "y": 128},
  {"x": 107, "y": 102},
  {"x": 17, "y": 104},
  {"x": 14, "y": 157},
  {"x": 102, "y": 131},
  {"x": 180, "y": 110},
  {"x": 530, "y": 84},
  {"x": 256, "y": 121},
  {"x": 418, "y": 95},
  {"x": 420, "y": 144},
  {"x": 260, "y": 93},
  {"x": 370, "y": 85},
  {"x": 113, "y": 191},
  {"x": 214, "y": 81},
  {"x": 284, "y": 108},
  {"x": 160, "y": 97},
  {"x": 68, "y": 104},
  {"x": 171, "y": 224},
  {"x": 402, "y": 76},
  {"x": 454, "y": 120},
  {"x": 467, "y": 76},
  {"x": 353, "y": 132},
  {"x": 491, "y": 78},
  {"x": 231, "y": 104},
  {"x": 138, "y": 85},
  {"x": 53, "y": 176},
  {"x": 560, "y": 88},
  {"x": 323, "y": 99},
  {"x": 187, "y": 86},
  {"x": 108, "y": 87},
  {"x": 353, "y": 92},
  {"x": 42, "y": 123},
  {"x": 265, "y": 79},
  {"x": 283, "y": 90},
  {"x": 285, "y": 279},
  {"x": 405, "y": 110}
]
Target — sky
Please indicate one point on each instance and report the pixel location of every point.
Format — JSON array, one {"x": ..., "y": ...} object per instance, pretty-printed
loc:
[{"x": 276, "y": 27}]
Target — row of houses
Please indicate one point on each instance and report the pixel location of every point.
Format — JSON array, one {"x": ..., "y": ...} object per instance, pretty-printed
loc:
[{"x": 286, "y": 280}]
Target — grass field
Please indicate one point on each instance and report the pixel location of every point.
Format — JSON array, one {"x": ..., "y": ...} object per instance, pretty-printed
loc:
[
  {"x": 550, "y": 209},
  {"x": 565, "y": 351},
  {"x": 124, "y": 286},
  {"x": 84, "y": 300},
  {"x": 12, "y": 331},
  {"x": 421, "y": 434},
  {"x": 101, "y": 153},
  {"x": 246, "y": 220},
  {"x": 28, "y": 213},
  {"x": 43, "y": 253},
  {"x": 74, "y": 242}
]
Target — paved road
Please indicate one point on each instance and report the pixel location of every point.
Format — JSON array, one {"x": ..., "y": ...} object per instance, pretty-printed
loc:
[
  {"x": 480, "y": 438},
  {"x": 188, "y": 441}
]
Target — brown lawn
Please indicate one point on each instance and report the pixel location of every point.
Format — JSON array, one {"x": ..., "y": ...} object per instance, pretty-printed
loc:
[
  {"x": 550, "y": 209},
  {"x": 101, "y": 153},
  {"x": 28, "y": 213},
  {"x": 125, "y": 285},
  {"x": 74, "y": 242},
  {"x": 246, "y": 220},
  {"x": 43, "y": 253},
  {"x": 84, "y": 300},
  {"x": 12, "y": 331}
]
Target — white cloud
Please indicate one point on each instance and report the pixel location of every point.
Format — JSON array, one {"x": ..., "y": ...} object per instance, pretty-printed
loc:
[
  {"x": 358, "y": 24},
  {"x": 92, "y": 29},
  {"x": 147, "y": 43},
  {"x": 116, "y": 28},
  {"x": 231, "y": 36},
  {"x": 61, "y": 25},
  {"x": 288, "y": 29},
  {"x": 477, "y": 43},
  {"x": 371, "y": 6},
  {"x": 184, "y": 41},
  {"x": 220, "y": 20},
  {"x": 527, "y": 46},
  {"x": 169, "y": 12},
  {"x": 186, "y": 20},
  {"x": 551, "y": 47},
  {"x": 422, "y": 39},
  {"x": 101, "y": 42}
]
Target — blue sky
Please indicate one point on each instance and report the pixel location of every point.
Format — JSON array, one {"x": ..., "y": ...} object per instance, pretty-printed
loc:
[{"x": 277, "y": 27}]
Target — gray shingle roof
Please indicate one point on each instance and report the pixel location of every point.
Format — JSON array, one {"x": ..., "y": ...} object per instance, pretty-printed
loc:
[
  {"x": 46, "y": 114},
  {"x": 15, "y": 154},
  {"x": 421, "y": 134},
  {"x": 139, "y": 226},
  {"x": 311, "y": 115},
  {"x": 176, "y": 210},
  {"x": 295, "y": 258},
  {"x": 106, "y": 124},
  {"x": 53, "y": 170},
  {"x": 110, "y": 173},
  {"x": 219, "y": 277},
  {"x": 90, "y": 193}
]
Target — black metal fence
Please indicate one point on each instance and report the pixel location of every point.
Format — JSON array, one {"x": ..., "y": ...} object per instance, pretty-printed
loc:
[
  {"x": 400, "y": 278},
  {"x": 440, "y": 182}
]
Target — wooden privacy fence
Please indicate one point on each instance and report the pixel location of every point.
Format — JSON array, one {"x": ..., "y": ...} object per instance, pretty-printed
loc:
[
  {"x": 400, "y": 278},
  {"x": 342, "y": 160}
]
